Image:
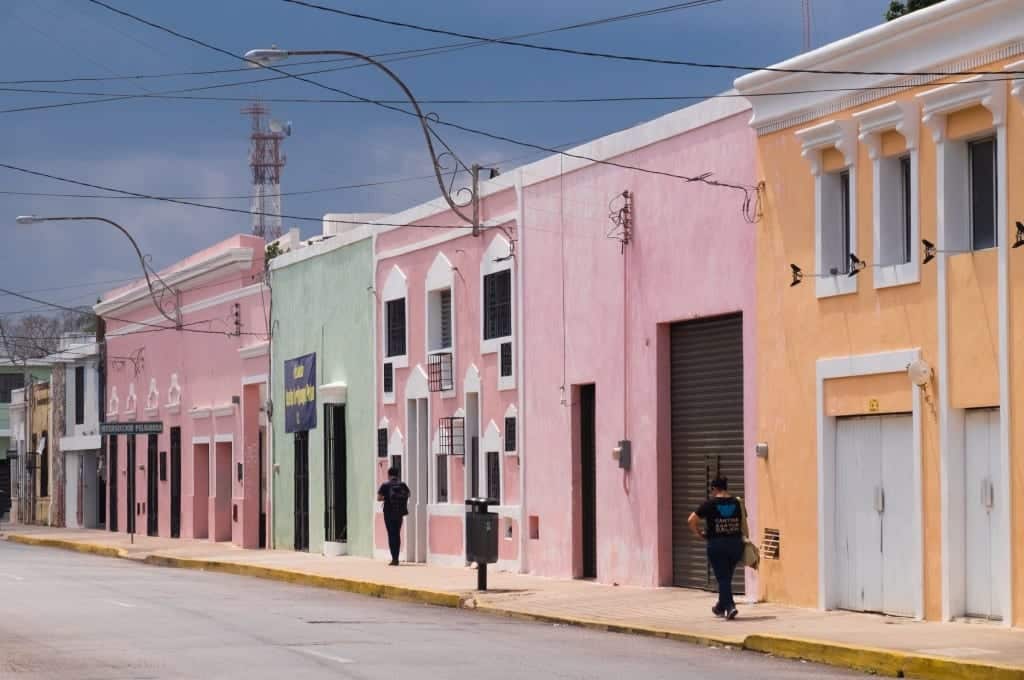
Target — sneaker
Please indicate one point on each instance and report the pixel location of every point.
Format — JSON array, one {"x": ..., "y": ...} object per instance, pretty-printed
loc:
[
  {"x": 731, "y": 614},
  {"x": 717, "y": 611},
  {"x": 393, "y": 563}
]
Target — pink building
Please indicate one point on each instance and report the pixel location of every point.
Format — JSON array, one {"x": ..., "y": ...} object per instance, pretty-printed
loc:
[
  {"x": 189, "y": 458},
  {"x": 447, "y": 393},
  {"x": 587, "y": 360},
  {"x": 638, "y": 342}
]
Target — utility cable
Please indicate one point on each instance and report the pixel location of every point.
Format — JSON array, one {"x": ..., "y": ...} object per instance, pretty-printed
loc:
[
  {"x": 705, "y": 178},
  {"x": 383, "y": 56},
  {"x": 297, "y": 218},
  {"x": 622, "y": 57}
]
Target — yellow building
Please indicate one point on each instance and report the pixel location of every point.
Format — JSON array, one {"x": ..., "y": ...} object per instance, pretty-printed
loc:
[
  {"x": 41, "y": 465},
  {"x": 888, "y": 384}
]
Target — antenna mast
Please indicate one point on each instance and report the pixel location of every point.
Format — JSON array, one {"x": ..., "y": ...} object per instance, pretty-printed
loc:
[
  {"x": 807, "y": 25},
  {"x": 266, "y": 161}
]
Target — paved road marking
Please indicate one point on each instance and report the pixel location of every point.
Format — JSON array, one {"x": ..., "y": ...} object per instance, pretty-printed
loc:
[
  {"x": 14, "y": 577},
  {"x": 123, "y": 604},
  {"x": 338, "y": 659}
]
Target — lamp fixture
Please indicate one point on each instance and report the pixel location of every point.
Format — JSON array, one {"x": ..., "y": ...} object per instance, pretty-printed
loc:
[
  {"x": 857, "y": 265},
  {"x": 799, "y": 274},
  {"x": 930, "y": 251}
]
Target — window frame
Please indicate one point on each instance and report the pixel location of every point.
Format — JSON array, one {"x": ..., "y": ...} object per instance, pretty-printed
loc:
[
  {"x": 395, "y": 288},
  {"x": 893, "y": 209},
  {"x": 840, "y": 135},
  {"x": 79, "y": 395},
  {"x": 390, "y": 332},
  {"x": 972, "y": 144},
  {"x": 496, "y": 259},
  {"x": 10, "y": 379}
]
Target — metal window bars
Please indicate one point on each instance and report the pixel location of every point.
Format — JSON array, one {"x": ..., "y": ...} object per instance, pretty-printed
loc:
[
  {"x": 440, "y": 372},
  {"x": 452, "y": 436}
]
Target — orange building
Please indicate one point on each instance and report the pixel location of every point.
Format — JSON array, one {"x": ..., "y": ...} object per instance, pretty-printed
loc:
[{"x": 886, "y": 351}]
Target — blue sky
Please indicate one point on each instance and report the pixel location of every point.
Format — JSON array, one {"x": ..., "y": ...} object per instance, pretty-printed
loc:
[{"x": 176, "y": 148}]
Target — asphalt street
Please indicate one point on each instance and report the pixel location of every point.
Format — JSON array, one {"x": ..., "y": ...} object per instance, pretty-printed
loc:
[{"x": 70, "y": 616}]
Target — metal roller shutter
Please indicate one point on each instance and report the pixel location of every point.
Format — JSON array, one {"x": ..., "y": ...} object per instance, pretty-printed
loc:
[{"x": 707, "y": 432}]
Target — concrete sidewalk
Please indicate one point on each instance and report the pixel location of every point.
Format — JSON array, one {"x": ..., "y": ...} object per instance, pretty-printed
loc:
[{"x": 884, "y": 645}]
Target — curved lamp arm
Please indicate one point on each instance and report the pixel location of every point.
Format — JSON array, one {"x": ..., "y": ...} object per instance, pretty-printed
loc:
[
  {"x": 176, "y": 319},
  {"x": 266, "y": 56}
]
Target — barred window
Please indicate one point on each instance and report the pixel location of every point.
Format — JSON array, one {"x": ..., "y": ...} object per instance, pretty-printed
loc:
[
  {"x": 395, "y": 320},
  {"x": 498, "y": 305}
]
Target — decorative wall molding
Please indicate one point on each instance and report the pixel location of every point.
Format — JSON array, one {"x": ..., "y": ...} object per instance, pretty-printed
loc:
[
  {"x": 899, "y": 116},
  {"x": 942, "y": 101},
  {"x": 838, "y": 134}
]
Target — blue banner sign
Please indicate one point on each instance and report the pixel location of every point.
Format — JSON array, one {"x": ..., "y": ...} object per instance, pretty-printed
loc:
[{"x": 300, "y": 393}]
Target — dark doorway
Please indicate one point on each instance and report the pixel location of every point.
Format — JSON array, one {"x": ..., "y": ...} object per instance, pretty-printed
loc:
[
  {"x": 588, "y": 479},
  {"x": 302, "y": 490},
  {"x": 175, "y": 482},
  {"x": 335, "y": 459},
  {"x": 263, "y": 492},
  {"x": 101, "y": 499},
  {"x": 152, "y": 487},
  {"x": 112, "y": 472},
  {"x": 707, "y": 432},
  {"x": 5, "y": 486},
  {"x": 132, "y": 509}
]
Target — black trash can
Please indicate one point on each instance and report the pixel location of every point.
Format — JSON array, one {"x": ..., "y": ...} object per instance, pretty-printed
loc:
[{"x": 481, "y": 536}]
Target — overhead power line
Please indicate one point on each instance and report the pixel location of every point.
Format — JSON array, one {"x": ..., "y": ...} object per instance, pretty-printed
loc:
[
  {"x": 383, "y": 56},
  {"x": 297, "y": 218},
  {"x": 618, "y": 57},
  {"x": 481, "y": 102},
  {"x": 74, "y": 310},
  {"x": 705, "y": 178}
]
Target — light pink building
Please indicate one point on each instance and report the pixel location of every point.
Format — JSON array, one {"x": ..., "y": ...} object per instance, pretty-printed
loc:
[
  {"x": 203, "y": 386},
  {"x": 620, "y": 380},
  {"x": 447, "y": 387},
  {"x": 648, "y": 342}
]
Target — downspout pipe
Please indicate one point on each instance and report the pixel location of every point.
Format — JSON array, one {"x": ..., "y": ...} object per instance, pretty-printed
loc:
[{"x": 524, "y": 518}]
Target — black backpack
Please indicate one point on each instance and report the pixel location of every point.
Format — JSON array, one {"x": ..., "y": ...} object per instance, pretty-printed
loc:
[{"x": 398, "y": 498}]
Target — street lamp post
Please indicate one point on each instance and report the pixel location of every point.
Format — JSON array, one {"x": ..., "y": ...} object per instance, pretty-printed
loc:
[
  {"x": 266, "y": 57},
  {"x": 147, "y": 271}
]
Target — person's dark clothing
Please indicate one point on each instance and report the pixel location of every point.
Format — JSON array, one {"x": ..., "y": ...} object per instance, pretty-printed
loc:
[
  {"x": 393, "y": 523},
  {"x": 724, "y": 554},
  {"x": 396, "y": 506},
  {"x": 396, "y": 497},
  {"x": 724, "y": 519}
]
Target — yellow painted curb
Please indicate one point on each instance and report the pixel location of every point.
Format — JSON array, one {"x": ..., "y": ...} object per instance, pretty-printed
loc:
[
  {"x": 381, "y": 590},
  {"x": 873, "y": 660},
  {"x": 880, "y": 661},
  {"x": 594, "y": 624},
  {"x": 89, "y": 548}
]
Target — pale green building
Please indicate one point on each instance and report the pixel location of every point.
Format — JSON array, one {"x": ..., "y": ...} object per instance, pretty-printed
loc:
[{"x": 323, "y": 477}]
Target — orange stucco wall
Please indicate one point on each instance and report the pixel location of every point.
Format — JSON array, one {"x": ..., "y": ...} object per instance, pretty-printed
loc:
[{"x": 797, "y": 329}]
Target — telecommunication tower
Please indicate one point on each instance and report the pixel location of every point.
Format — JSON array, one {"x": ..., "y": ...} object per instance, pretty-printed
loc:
[{"x": 266, "y": 161}]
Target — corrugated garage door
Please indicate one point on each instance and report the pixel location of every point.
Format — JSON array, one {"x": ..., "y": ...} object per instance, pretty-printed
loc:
[{"x": 707, "y": 431}]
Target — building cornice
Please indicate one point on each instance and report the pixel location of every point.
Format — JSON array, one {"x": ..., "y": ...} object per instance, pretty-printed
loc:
[
  {"x": 949, "y": 37},
  {"x": 225, "y": 262},
  {"x": 899, "y": 116}
]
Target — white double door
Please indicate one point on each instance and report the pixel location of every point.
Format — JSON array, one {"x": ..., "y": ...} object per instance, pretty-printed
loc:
[
  {"x": 985, "y": 538},
  {"x": 874, "y": 514}
]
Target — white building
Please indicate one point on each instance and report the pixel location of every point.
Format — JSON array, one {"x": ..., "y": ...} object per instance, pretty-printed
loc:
[{"x": 84, "y": 496}]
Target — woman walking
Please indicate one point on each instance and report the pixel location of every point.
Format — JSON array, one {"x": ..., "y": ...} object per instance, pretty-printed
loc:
[{"x": 724, "y": 519}]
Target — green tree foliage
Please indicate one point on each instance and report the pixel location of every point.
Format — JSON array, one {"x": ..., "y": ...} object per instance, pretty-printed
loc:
[{"x": 898, "y": 8}]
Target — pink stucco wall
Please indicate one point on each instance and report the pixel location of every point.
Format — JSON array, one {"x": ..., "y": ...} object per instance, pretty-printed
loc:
[
  {"x": 692, "y": 256},
  {"x": 210, "y": 372},
  {"x": 467, "y": 254}
]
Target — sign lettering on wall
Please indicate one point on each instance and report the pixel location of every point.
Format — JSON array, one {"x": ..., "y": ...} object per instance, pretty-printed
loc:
[
  {"x": 131, "y": 428},
  {"x": 300, "y": 393}
]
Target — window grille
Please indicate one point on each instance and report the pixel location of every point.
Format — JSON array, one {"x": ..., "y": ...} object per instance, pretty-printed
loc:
[
  {"x": 498, "y": 305},
  {"x": 452, "y": 437},
  {"x": 440, "y": 373}
]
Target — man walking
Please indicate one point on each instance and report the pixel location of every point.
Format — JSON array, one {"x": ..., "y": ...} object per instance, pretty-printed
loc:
[{"x": 395, "y": 495}]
